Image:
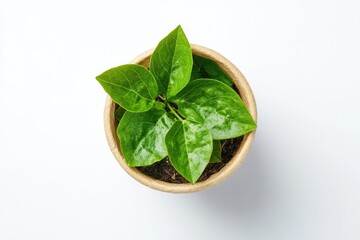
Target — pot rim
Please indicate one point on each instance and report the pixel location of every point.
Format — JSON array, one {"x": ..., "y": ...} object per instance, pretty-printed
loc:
[{"x": 246, "y": 96}]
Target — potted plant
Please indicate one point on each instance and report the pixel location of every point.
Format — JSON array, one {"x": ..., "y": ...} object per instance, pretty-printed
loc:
[{"x": 180, "y": 118}]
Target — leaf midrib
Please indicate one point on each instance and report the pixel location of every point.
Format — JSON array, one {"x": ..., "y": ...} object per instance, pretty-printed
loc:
[
  {"x": 186, "y": 148},
  {"x": 130, "y": 90},
  {"x": 187, "y": 153},
  {"x": 172, "y": 57}
]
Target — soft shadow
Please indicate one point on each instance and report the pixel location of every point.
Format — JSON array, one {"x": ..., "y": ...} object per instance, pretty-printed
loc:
[{"x": 248, "y": 191}]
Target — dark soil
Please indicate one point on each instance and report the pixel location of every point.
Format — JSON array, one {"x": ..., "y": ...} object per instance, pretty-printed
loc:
[{"x": 164, "y": 171}]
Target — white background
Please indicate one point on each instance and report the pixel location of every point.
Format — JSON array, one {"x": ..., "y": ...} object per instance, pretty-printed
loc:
[{"x": 301, "y": 179}]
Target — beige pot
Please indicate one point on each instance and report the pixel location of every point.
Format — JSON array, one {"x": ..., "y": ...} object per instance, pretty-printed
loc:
[{"x": 247, "y": 97}]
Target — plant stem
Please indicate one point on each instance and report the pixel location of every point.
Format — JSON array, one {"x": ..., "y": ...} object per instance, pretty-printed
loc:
[
  {"x": 163, "y": 99},
  {"x": 174, "y": 112}
]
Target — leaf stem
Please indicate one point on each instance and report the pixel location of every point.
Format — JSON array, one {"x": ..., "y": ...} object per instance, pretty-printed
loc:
[
  {"x": 163, "y": 99},
  {"x": 174, "y": 112}
]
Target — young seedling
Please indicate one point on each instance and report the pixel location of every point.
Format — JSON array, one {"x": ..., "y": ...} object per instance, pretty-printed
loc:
[{"x": 181, "y": 107}]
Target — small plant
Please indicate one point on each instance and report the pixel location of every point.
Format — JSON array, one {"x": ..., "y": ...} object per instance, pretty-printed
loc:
[{"x": 181, "y": 107}]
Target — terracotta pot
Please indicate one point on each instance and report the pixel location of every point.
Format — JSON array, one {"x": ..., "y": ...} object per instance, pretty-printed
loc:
[{"x": 247, "y": 97}]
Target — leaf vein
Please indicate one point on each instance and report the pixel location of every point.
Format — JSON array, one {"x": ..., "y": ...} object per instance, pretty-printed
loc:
[
  {"x": 140, "y": 77},
  {"x": 128, "y": 89},
  {"x": 148, "y": 133}
]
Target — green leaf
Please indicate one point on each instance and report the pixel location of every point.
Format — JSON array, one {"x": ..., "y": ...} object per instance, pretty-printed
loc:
[
  {"x": 206, "y": 68},
  {"x": 159, "y": 105},
  {"x": 131, "y": 86},
  {"x": 142, "y": 136},
  {"x": 119, "y": 113},
  {"x": 196, "y": 71},
  {"x": 216, "y": 153},
  {"x": 217, "y": 106},
  {"x": 171, "y": 62},
  {"x": 189, "y": 146}
]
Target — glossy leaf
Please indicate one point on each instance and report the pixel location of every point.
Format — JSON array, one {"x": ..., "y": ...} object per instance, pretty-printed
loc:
[
  {"x": 217, "y": 106},
  {"x": 171, "y": 62},
  {"x": 131, "y": 86},
  {"x": 189, "y": 146},
  {"x": 216, "y": 153},
  {"x": 206, "y": 68},
  {"x": 119, "y": 113},
  {"x": 142, "y": 136}
]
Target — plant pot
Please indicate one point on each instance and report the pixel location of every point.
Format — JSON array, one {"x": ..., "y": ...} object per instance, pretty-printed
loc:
[{"x": 246, "y": 96}]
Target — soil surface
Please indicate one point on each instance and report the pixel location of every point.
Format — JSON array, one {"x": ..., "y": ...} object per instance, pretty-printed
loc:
[{"x": 164, "y": 171}]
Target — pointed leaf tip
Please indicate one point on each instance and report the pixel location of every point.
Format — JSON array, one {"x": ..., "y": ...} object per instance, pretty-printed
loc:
[
  {"x": 131, "y": 86},
  {"x": 171, "y": 62},
  {"x": 189, "y": 145}
]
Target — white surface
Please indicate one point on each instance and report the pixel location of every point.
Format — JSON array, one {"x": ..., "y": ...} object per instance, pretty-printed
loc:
[{"x": 59, "y": 180}]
